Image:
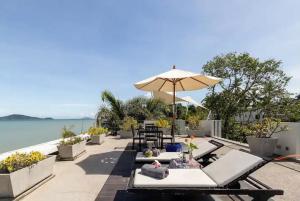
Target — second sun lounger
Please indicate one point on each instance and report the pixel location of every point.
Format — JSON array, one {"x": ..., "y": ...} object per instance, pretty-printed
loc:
[
  {"x": 220, "y": 177},
  {"x": 204, "y": 152}
]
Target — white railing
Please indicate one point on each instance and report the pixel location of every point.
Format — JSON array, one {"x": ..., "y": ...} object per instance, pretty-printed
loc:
[{"x": 216, "y": 128}]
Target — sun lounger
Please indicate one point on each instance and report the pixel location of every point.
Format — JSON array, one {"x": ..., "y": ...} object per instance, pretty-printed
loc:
[
  {"x": 220, "y": 177},
  {"x": 162, "y": 157},
  {"x": 204, "y": 151}
]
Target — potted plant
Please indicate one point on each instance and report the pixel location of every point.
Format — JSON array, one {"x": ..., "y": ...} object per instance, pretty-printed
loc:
[
  {"x": 194, "y": 127},
  {"x": 97, "y": 134},
  {"x": 259, "y": 136},
  {"x": 21, "y": 171},
  {"x": 70, "y": 146},
  {"x": 191, "y": 146},
  {"x": 125, "y": 131},
  {"x": 164, "y": 125}
]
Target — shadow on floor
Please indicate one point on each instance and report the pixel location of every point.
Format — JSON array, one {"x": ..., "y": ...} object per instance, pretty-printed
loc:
[
  {"x": 102, "y": 163},
  {"x": 122, "y": 195}
]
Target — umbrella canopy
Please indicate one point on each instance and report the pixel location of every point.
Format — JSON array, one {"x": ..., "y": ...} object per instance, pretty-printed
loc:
[
  {"x": 166, "y": 97},
  {"x": 184, "y": 81},
  {"x": 191, "y": 101},
  {"x": 176, "y": 80}
]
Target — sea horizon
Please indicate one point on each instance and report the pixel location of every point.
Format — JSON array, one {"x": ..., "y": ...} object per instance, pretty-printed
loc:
[{"x": 16, "y": 134}]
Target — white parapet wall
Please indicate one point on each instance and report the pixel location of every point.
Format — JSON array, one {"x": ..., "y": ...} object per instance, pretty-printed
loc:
[
  {"x": 211, "y": 127},
  {"x": 289, "y": 141},
  {"x": 45, "y": 148}
]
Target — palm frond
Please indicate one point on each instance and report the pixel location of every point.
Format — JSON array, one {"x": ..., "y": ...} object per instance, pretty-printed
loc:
[{"x": 116, "y": 105}]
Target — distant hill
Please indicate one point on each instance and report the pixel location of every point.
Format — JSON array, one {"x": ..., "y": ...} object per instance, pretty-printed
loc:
[
  {"x": 87, "y": 118},
  {"x": 22, "y": 117}
]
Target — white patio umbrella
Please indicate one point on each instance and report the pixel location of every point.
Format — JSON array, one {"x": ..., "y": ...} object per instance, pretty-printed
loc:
[
  {"x": 191, "y": 101},
  {"x": 166, "y": 97},
  {"x": 176, "y": 80}
]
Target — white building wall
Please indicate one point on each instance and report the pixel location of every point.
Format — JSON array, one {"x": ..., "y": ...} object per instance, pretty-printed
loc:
[{"x": 289, "y": 141}]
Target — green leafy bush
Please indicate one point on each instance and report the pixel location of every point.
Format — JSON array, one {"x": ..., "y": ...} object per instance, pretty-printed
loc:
[
  {"x": 18, "y": 161},
  {"x": 127, "y": 122},
  {"x": 71, "y": 141},
  {"x": 69, "y": 137},
  {"x": 97, "y": 131},
  {"x": 265, "y": 129},
  {"x": 163, "y": 123},
  {"x": 67, "y": 132},
  {"x": 194, "y": 122}
]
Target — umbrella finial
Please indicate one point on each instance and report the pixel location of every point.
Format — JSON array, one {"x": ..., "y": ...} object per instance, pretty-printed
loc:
[{"x": 174, "y": 67}]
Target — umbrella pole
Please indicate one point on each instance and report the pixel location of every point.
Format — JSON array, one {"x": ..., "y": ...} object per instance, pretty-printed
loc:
[{"x": 174, "y": 115}]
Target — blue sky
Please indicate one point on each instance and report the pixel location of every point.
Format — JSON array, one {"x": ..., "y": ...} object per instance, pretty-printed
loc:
[{"x": 57, "y": 56}]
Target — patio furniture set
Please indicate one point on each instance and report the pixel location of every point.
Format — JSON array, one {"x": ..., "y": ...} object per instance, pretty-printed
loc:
[
  {"x": 150, "y": 133},
  {"x": 222, "y": 176}
]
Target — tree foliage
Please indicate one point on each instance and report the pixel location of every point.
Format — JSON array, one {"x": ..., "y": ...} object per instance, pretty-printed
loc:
[
  {"x": 113, "y": 112},
  {"x": 249, "y": 85}
]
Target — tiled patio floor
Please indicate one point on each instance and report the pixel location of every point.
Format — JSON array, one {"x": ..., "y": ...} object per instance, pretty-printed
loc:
[{"x": 94, "y": 176}]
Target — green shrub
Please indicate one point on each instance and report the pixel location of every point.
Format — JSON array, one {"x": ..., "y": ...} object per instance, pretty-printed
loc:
[
  {"x": 265, "y": 129},
  {"x": 67, "y": 133},
  {"x": 163, "y": 123},
  {"x": 18, "y": 161},
  {"x": 97, "y": 131},
  {"x": 194, "y": 121},
  {"x": 71, "y": 141},
  {"x": 127, "y": 122}
]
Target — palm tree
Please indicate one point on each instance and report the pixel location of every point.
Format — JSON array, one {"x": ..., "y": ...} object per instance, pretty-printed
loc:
[
  {"x": 156, "y": 108},
  {"x": 116, "y": 106},
  {"x": 135, "y": 108},
  {"x": 102, "y": 114},
  {"x": 114, "y": 111}
]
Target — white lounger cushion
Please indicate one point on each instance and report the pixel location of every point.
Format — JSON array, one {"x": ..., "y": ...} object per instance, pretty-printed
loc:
[
  {"x": 164, "y": 156},
  {"x": 231, "y": 166},
  {"x": 177, "y": 178},
  {"x": 203, "y": 149}
]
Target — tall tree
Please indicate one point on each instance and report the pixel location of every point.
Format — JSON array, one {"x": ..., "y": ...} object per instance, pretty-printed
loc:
[
  {"x": 249, "y": 85},
  {"x": 116, "y": 105}
]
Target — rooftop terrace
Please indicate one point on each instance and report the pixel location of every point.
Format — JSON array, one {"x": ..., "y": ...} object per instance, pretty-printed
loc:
[{"x": 103, "y": 171}]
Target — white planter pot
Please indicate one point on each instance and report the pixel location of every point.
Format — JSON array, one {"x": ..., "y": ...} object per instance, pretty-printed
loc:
[
  {"x": 71, "y": 151},
  {"x": 197, "y": 133},
  {"x": 262, "y": 146},
  {"x": 97, "y": 139},
  {"x": 15, "y": 183},
  {"x": 125, "y": 134}
]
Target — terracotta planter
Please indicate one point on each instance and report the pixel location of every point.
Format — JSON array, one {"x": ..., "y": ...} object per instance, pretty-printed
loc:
[
  {"x": 97, "y": 139},
  {"x": 15, "y": 183},
  {"x": 70, "y": 152},
  {"x": 262, "y": 146}
]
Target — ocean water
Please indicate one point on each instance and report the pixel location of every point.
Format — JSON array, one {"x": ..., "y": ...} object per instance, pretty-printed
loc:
[{"x": 19, "y": 134}]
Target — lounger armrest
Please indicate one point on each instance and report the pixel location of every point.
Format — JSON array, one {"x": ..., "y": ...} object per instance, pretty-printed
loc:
[{"x": 218, "y": 144}]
